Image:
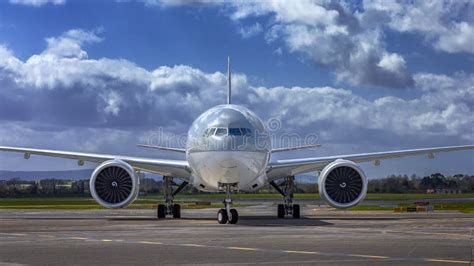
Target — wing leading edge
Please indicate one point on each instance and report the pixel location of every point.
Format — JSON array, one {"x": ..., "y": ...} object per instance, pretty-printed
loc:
[
  {"x": 175, "y": 168},
  {"x": 289, "y": 167}
]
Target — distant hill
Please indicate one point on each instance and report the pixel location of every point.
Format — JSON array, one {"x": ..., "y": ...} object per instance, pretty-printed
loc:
[
  {"x": 38, "y": 175},
  {"x": 86, "y": 173}
]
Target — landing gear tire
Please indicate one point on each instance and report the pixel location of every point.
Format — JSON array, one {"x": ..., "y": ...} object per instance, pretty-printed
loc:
[
  {"x": 287, "y": 189},
  {"x": 296, "y": 211},
  {"x": 176, "y": 211},
  {"x": 222, "y": 216},
  {"x": 161, "y": 211},
  {"x": 281, "y": 211},
  {"x": 234, "y": 216}
]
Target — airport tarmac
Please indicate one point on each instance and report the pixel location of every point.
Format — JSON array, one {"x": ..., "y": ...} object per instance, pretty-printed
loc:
[{"x": 321, "y": 236}]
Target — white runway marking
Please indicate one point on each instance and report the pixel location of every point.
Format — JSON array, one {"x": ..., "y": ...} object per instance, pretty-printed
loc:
[
  {"x": 242, "y": 248},
  {"x": 369, "y": 256},
  {"x": 366, "y": 257},
  {"x": 301, "y": 252},
  {"x": 13, "y": 234},
  {"x": 149, "y": 242},
  {"x": 78, "y": 238},
  {"x": 192, "y": 245},
  {"x": 449, "y": 261},
  {"x": 10, "y": 264}
]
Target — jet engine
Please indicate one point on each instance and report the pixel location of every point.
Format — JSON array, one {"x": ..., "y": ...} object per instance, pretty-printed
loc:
[
  {"x": 342, "y": 184},
  {"x": 114, "y": 184}
]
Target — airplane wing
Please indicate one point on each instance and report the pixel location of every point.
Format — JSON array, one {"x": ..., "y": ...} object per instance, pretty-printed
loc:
[
  {"x": 161, "y": 148},
  {"x": 295, "y": 148},
  {"x": 175, "y": 168},
  {"x": 290, "y": 167}
]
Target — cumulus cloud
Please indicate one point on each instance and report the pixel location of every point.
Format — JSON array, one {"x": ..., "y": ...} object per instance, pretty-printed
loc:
[
  {"x": 72, "y": 90},
  {"x": 250, "y": 31},
  {"x": 69, "y": 44},
  {"x": 37, "y": 3},
  {"x": 447, "y": 25},
  {"x": 392, "y": 62},
  {"x": 65, "y": 100},
  {"x": 350, "y": 38},
  {"x": 330, "y": 34},
  {"x": 459, "y": 39},
  {"x": 447, "y": 111}
]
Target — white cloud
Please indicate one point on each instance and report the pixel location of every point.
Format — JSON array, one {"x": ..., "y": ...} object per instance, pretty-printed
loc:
[
  {"x": 459, "y": 39},
  {"x": 37, "y": 3},
  {"x": 350, "y": 38},
  {"x": 447, "y": 25},
  {"x": 112, "y": 102},
  {"x": 250, "y": 31},
  {"x": 69, "y": 44},
  {"x": 329, "y": 34},
  {"x": 393, "y": 63},
  {"x": 278, "y": 51},
  {"x": 65, "y": 102}
]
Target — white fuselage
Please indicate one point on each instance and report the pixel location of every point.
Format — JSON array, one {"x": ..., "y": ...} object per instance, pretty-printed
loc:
[{"x": 228, "y": 144}]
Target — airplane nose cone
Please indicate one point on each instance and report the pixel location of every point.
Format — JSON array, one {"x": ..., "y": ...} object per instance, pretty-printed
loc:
[
  {"x": 227, "y": 163},
  {"x": 229, "y": 169}
]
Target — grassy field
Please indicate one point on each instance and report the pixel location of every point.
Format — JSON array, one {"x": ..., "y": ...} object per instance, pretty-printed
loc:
[
  {"x": 88, "y": 204},
  {"x": 150, "y": 202},
  {"x": 309, "y": 196},
  {"x": 464, "y": 207}
]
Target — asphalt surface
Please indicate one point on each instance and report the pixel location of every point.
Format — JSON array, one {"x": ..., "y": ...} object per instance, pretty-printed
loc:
[{"x": 322, "y": 236}]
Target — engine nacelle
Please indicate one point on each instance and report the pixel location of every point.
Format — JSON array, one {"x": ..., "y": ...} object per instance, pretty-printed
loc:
[
  {"x": 114, "y": 184},
  {"x": 342, "y": 184}
]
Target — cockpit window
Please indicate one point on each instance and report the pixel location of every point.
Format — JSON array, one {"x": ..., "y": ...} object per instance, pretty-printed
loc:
[
  {"x": 209, "y": 132},
  {"x": 246, "y": 131},
  {"x": 221, "y": 131},
  {"x": 235, "y": 132}
]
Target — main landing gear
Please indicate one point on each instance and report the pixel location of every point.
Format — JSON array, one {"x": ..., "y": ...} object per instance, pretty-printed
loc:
[
  {"x": 169, "y": 208},
  {"x": 228, "y": 215},
  {"x": 286, "y": 189}
]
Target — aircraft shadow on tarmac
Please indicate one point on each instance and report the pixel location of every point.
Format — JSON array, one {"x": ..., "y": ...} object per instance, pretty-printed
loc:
[
  {"x": 263, "y": 220},
  {"x": 243, "y": 221}
]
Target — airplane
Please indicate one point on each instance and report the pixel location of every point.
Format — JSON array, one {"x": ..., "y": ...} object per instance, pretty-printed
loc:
[{"x": 228, "y": 150}]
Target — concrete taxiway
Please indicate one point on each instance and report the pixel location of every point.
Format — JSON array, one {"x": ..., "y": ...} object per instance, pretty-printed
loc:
[{"x": 322, "y": 236}]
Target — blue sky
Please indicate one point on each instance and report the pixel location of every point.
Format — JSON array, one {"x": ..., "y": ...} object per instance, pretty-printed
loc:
[
  {"x": 152, "y": 36},
  {"x": 101, "y": 76}
]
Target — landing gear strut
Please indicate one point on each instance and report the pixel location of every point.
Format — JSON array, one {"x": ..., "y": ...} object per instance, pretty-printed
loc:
[
  {"x": 286, "y": 189},
  {"x": 169, "y": 208},
  {"x": 227, "y": 214}
]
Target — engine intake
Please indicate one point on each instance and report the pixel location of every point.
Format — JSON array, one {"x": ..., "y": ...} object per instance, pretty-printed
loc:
[
  {"x": 342, "y": 184},
  {"x": 114, "y": 184}
]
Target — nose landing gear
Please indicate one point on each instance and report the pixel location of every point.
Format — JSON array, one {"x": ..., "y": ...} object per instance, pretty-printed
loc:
[
  {"x": 228, "y": 214},
  {"x": 288, "y": 208}
]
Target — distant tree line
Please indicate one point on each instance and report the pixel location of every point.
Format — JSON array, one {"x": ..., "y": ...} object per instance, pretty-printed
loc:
[
  {"x": 60, "y": 187},
  {"x": 405, "y": 184},
  {"x": 46, "y": 187},
  {"x": 390, "y": 184}
]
